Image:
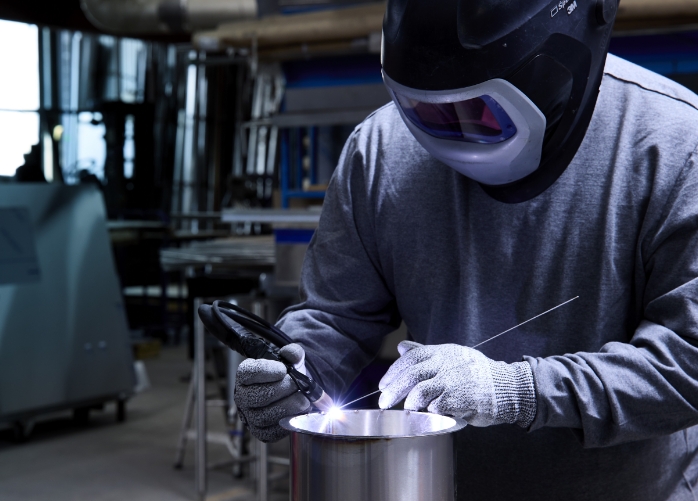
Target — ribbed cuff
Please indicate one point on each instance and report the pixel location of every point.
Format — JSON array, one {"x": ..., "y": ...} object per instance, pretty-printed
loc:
[{"x": 514, "y": 392}]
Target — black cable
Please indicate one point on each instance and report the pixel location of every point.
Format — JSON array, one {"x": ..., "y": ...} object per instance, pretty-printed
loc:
[
  {"x": 252, "y": 322},
  {"x": 257, "y": 326}
]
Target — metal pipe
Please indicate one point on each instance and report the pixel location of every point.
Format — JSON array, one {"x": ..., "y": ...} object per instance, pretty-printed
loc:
[
  {"x": 311, "y": 27},
  {"x": 292, "y": 36},
  {"x": 200, "y": 374},
  {"x": 186, "y": 421},
  {"x": 633, "y": 9},
  {"x": 138, "y": 17},
  {"x": 263, "y": 475}
]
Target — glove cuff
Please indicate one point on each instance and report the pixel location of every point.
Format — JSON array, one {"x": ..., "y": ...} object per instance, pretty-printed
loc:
[{"x": 514, "y": 392}]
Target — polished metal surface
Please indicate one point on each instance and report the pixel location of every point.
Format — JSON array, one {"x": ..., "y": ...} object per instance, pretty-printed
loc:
[{"x": 372, "y": 455}]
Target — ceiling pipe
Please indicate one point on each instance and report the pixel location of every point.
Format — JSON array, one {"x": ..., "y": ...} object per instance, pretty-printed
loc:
[
  {"x": 311, "y": 27},
  {"x": 152, "y": 17},
  {"x": 657, "y": 8},
  {"x": 143, "y": 17}
]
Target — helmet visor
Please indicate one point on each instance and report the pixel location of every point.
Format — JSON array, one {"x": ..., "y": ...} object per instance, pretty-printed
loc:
[{"x": 478, "y": 120}]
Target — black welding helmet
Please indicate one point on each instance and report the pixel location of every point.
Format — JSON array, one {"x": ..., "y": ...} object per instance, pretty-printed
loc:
[{"x": 500, "y": 90}]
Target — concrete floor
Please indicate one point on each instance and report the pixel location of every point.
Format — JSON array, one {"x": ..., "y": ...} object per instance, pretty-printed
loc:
[{"x": 106, "y": 460}]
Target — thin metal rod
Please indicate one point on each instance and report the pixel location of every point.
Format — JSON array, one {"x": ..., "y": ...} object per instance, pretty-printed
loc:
[
  {"x": 522, "y": 323},
  {"x": 200, "y": 375},
  {"x": 360, "y": 398},
  {"x": 263, "y": 472},
  {"x": 486, "y": 340},
  {"x": 187, "y": 419}
]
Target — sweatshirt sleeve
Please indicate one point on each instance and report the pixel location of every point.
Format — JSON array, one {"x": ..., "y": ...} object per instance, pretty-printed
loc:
[
  {"x": 649, "y": 386},
  {"x": 346, "y": 307}
]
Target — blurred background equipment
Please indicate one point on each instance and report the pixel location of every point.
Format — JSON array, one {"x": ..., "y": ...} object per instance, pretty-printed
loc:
[
  {"x": 64, "y": 343},
  {"x": 156, "y": 154}
]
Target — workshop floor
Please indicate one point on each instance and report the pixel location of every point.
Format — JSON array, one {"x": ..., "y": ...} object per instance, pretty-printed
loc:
[{"x": 107, "y": 461}]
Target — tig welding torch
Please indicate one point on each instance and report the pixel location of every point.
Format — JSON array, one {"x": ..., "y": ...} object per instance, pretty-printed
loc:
[{"x": 254, "y": 337}]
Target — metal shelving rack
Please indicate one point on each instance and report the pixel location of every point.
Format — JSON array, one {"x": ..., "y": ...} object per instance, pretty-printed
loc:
[{"x": 330, "y": 91}]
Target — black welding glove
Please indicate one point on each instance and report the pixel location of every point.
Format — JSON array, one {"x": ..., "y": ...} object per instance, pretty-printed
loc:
[{"x": 265, "y": 393}]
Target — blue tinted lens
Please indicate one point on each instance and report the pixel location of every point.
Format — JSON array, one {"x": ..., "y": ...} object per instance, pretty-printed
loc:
[{"x": 477, "y": 120}]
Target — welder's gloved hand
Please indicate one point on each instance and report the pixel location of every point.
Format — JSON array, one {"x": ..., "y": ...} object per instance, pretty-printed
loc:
[
  {"x": 265, "y": 393},
  {"x": 457, "y": 381}
]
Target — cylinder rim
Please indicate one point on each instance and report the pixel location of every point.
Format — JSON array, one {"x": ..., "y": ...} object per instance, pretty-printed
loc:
[{"x": 285, "y": 423}]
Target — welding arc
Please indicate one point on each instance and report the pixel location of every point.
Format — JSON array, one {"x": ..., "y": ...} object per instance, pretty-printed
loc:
[{"x": 485, "y": 341}]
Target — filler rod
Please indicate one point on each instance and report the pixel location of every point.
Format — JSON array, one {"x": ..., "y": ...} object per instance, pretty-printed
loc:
[
  {"x": 519, "y": 325},
  {"x": 360, "y": 398},
  {"x": 483, "y": 342}
]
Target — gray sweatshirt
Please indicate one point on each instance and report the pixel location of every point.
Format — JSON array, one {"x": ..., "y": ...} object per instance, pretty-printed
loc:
[{"x": 404, "y": 237}]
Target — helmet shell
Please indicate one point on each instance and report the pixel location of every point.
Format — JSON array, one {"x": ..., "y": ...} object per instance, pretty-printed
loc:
[{"x": 554, "y": 52}]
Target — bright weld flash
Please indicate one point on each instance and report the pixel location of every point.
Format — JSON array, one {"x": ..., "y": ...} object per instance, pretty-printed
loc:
[
  {"x": 334, "y": 413},
  {"x": 333, "y": 416}
]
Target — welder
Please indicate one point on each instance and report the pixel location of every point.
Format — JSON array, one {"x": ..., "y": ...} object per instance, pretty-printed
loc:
[{"x": 519, "y": 165}]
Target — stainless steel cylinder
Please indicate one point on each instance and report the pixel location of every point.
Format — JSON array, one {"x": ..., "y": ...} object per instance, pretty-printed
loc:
[{"x": 372, "y": 455}]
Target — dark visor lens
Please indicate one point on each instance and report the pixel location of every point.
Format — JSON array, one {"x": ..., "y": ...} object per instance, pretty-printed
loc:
[{"x": 477, "y": 120}]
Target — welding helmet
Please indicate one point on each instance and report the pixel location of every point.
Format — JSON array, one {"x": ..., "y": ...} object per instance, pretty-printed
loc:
[{"x": 502, "y": 91}]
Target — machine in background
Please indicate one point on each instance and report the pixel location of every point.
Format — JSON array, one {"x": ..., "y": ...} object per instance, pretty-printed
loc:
[{"x": 64, "y": 342}]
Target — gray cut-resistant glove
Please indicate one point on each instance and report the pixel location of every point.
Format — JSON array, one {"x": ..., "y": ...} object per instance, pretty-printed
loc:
[
  {"x": 457, "y": 381},
  {"x": 265, "y": 393}
]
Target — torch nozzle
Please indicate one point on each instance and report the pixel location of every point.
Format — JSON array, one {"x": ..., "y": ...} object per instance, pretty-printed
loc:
[{"x": 324, "y": 403}]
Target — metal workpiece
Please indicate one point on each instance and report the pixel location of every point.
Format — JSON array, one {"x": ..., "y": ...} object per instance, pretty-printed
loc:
[{"x": 372, "y": 455}]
